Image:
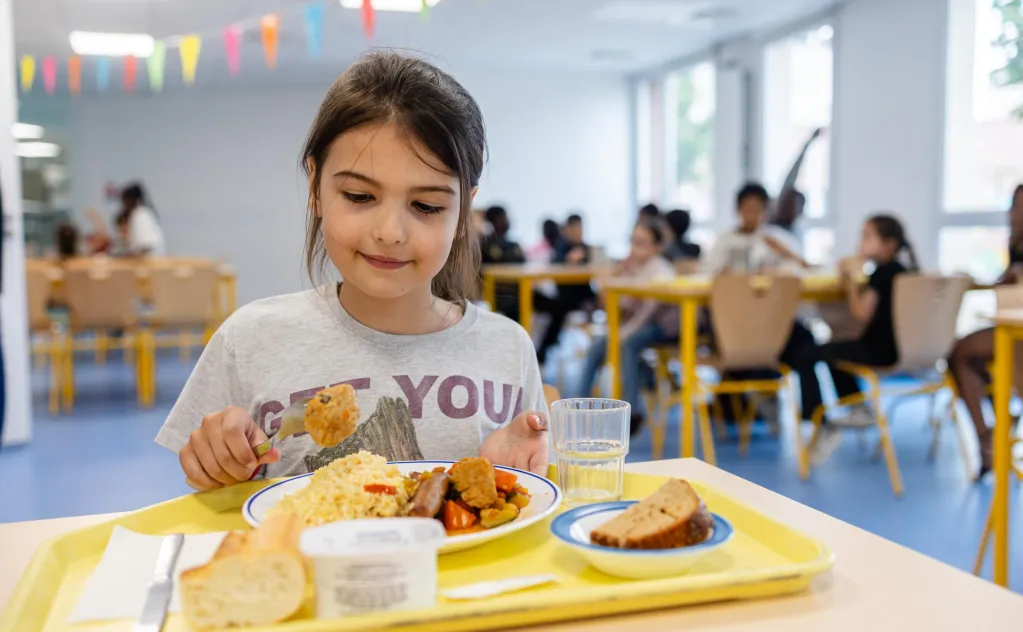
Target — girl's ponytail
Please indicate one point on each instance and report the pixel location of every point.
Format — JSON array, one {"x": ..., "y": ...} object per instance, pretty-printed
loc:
[
  {"x": 889, "y": 227},
  {"x": 910, "y": 255}
]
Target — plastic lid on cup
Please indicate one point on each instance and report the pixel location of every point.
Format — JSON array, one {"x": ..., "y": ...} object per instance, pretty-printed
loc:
[{"x": 373, "y": 536}]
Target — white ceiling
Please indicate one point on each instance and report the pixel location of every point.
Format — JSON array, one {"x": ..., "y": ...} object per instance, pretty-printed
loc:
[{"x": 585, "y": 35}]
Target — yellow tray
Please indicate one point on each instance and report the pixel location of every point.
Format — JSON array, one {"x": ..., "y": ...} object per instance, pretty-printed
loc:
[{"x": 764, "y": 558}]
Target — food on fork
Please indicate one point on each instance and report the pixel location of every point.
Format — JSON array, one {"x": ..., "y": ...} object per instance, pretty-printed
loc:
[
  {"x": 254, "y": 578},
  {"x": 474, "y": 479},
  {"x": 332, "y": 415},
  {"x": 672, "y": 517}
]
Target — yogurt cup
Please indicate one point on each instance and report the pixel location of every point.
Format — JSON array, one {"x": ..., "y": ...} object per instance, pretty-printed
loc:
[{"x": 374, "y": 565}]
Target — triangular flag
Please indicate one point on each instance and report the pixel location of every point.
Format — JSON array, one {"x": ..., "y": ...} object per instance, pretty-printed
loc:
[
  {"x": 190, "y": 47},
  {"x": 131, "y": 70},
  {"x": 102, "y": 74},
  {"x": 369, "y": 18},
  {"x": 314, "y": 27},
  {"x": 49, "y": 74},
  {"x": 268, "y": 31},
  {"x": 74, "y": 75},
  {"x": 232, "y": 43},
  {"x": 424, "y": 11},
  {"x": 28, "y": 72},
  {"x": 155, "y": 66}
]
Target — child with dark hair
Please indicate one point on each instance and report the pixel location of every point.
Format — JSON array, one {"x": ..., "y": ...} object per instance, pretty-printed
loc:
[
  {"x": 884, "y": 243},
  {"x": 393, "y": 159},
  {"x": 748, "y": 248},
  {"x": 571, "y": 249},
  {"x": 680, "y": 249}
]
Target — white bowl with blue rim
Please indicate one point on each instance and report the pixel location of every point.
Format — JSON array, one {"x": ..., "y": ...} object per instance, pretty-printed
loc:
[{"x": 573, "y": 528}]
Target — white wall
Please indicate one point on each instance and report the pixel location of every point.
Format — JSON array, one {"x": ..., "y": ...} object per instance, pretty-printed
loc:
[
  {"x": 13, "y": 316},
  {"x": 221, "y": 166},
  {"x": 889, "y": 117}
]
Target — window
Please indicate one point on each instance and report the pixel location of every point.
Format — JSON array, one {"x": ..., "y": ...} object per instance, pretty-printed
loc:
[{"x": 797, "y": 94}]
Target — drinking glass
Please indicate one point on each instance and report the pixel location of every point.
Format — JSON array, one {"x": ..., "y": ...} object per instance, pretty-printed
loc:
[{"x": 590, "y": 439}]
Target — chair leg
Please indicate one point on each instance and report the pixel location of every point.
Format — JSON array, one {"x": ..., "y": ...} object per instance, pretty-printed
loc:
[
  {"x": 816, "y": 418},
  {"x": 100, "y": 352},
  {"x": 68, "y": 370},
  {"x": 887, "y": 446},
  {"x": 56, "y": 373},
  {"x": 706, "y": 436},
  {"x": 184, "y": 350},
  {"x": 745, "y": 423},
  {"x": 719, "y": 420},
  {"x": 978, "y": 564}
]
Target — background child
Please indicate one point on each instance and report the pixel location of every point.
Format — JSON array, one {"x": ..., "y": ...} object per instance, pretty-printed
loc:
[
  {"x": 393, "y": 158},
  {"x": 748, "y": 248},
  {"x": 883, "y": 242},
  {"x": 644, "y": 323}
]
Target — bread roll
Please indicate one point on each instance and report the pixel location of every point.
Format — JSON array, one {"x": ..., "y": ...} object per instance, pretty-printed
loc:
[{"x": 254, "y": 578}]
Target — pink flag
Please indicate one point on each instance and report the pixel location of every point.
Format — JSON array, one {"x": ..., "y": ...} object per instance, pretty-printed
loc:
[
  {"x": 49, "y": 74},
  {"x": 232, "y": 43},
  {"x": 369, "y": 18}
]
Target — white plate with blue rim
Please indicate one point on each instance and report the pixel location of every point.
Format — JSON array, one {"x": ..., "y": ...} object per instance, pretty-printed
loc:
[
  {"x": 544, "y": 499},
  {"x": 573, "y": 528}
]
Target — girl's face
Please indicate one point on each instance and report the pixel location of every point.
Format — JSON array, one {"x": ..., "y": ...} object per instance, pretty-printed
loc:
[
  {"x": 644, "y": 247},
  {"x": 874, "y": 247},
  {"x": 389, "y": 211}
]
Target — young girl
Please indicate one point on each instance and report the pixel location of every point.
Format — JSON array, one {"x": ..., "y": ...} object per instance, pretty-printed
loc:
[
  {"x": 645, "y": 323},
  {"x": 394, "y": 157},
  {"x": 883, "y": 242}
]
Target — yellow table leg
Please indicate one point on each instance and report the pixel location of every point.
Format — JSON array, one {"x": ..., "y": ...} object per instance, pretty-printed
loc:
[
  {"x": 526, "y": 305},
  {"x": 1004, "y": 362},
  {"x": 687, "y": 353},
  {"x": 614, "y": 350},
  {"x": 490, "y": 291}
]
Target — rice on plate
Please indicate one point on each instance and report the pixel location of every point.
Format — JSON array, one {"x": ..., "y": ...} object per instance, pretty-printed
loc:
[{"x": 343, "y": 490}]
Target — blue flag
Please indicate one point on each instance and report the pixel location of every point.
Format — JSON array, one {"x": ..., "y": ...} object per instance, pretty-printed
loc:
[{"x": 314, "y": 27}]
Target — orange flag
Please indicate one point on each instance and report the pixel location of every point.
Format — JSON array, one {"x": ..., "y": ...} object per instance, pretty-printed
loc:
[
  {"x": 268, "y": 29},
  {"x": 74, "y": 75},
  {"x": 131, "y": 70},
  {"x": 369, "y": 18}
]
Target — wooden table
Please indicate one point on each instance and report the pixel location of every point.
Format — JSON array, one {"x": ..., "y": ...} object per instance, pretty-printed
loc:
[
  {"x": 1008, "y": 329},
  {"x": 689, "y": 293},
  {"x": 875, "y": 584},
  {"x": 525, "y": 275}
]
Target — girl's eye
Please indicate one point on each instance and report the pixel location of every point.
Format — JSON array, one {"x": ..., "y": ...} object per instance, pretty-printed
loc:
[
  {"x": 358, "y": 198},
  {"x": 427, "y": 208}
]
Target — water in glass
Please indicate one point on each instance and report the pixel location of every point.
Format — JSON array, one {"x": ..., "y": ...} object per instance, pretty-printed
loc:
[{"x": 591, "y": 440}]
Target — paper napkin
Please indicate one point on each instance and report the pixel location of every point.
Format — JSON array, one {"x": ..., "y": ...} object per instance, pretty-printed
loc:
[{"x": 117, "y": 588}]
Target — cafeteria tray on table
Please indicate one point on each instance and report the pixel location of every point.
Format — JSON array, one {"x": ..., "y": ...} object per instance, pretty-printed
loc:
[{"x": 764, "y": 558}]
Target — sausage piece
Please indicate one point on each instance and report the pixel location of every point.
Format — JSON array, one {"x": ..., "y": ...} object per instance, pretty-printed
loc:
[{"x": 430, "y": 496}]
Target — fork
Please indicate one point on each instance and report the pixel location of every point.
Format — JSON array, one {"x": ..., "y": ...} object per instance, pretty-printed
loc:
[{"x": 292, "y": 423}]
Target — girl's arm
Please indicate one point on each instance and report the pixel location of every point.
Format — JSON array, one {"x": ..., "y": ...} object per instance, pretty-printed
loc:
[
  {"x": 640, "y": 316},
  {"x": 783, "y": 251},
  {"x": 862, "y": 300}
]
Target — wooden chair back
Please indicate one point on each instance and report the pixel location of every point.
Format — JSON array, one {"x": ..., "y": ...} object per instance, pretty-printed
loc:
[
  {"x": 39, "y": 283},
  {"x": 925, "y": 308},
  {"x": 1009, "y": 296},
  {"x": 102, "y": 296},
  {"x": 183, "y": 295},
  {"x": 752, "y": 322}
]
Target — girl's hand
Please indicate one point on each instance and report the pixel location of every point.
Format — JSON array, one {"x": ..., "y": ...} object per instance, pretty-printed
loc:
[
  {"x": 219, "y": 452},
  {"x": 521, "y": 444}
]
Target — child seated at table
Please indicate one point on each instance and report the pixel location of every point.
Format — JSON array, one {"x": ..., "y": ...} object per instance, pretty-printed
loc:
[
  {"x": 883, "y": 243},
  {"x": 644, "y": 322},
  {"x": 748, "y": 247}
]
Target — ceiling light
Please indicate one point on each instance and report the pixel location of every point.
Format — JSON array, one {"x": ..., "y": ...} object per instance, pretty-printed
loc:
[
  {"x": 407, "y": 6},
  {"x": 111, "y": 44},
  {"x": 826, "y": 32},
  {"x": 24, "y": 131},
  {"x": 37, "y": 150}
]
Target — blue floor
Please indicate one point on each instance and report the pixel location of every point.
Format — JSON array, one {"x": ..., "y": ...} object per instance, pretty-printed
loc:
[{"x": 102, "y": 458}]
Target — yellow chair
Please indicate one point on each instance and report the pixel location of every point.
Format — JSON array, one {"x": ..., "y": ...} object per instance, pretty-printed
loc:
[
  {"x": 924, "y": 312},
  {"x": 989, "y": 527},
  {"x": 39, "y": 281}
]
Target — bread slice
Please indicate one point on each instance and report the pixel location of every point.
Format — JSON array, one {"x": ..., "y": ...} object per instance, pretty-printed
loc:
[
  {"x": 254, "y": 578},
  {"x": 672, "y": 517}
]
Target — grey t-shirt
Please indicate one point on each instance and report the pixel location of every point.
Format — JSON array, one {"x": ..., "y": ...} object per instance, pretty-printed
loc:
[{"x": 433, "y": 396}]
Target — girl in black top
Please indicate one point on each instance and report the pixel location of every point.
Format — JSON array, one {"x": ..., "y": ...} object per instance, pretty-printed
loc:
[
  {"x": 883, "y": 242},
  {"x": 971, "y": 355}
]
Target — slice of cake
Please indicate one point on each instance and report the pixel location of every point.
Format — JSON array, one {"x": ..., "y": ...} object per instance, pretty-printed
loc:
[{"x": 672, "y": 517}]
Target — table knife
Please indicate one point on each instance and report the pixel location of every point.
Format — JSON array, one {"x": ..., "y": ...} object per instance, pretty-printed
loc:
[{"x": 158, "y": 597}]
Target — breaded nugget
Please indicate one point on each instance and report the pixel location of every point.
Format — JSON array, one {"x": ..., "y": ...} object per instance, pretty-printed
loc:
[
  {"x": 473, "y": 477},
  {"x": 332, "y": 414}
]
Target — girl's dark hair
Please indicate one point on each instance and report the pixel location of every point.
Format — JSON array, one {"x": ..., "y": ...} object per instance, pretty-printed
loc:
[
  {"x": 889, "y": 227},
  {"x": 551, "y": 232},
  {"x": 67, "y": 241},
  {"x": 1017, "y": 192},
  {"x": 655, "y": 228},
  {"x": 135, "y": 192},
  {"x": 435, "y": 112}
]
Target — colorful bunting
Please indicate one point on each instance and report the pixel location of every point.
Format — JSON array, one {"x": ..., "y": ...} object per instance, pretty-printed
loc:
[
  {"x": 232, "y": 45},
  {"x": 49, "y": 74},
  {"x": 131, "y": 70},
  {"x": 74, "y": 75},
  {"x": 191, "y": 45},
  {"x": 314, "y": 27},
  {"x": 424, "y": 11},
  {"x": 102, "y": 74},
  {"x": 155, "y": 66},
  {"x": 369, "y": 18},
  {"x": 268, "y": 30},
  {"x": 28, "y": 72}
]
